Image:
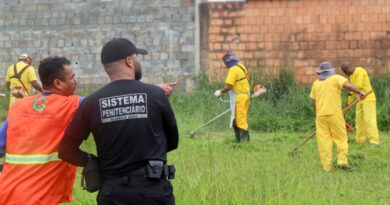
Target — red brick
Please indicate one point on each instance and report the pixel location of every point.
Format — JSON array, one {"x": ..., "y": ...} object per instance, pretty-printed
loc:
[
  {"x": 241, "y": 47},
  {"x": 216, "y": 22},
  {"x": 299, "y": 19},
  {"x": 252, "y": 46},
  {"x": 378, "y": 26},
  {"x": 214, "y": 29},
  {"x": 233, "y": 46},
  {"x": 311, "y": 30},
  {"x": 252, "y": 38},
  {"x": 353, "y": 44},
  {"x": 268, "y": 46}
]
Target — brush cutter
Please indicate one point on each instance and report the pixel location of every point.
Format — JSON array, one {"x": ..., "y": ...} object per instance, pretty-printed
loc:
[
  {"x": 349, "y": 127},
  {"x": 295, "y": 150},
  {"x": 258, "y": 92}
]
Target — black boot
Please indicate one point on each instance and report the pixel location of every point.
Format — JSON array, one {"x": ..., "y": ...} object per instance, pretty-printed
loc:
[
  {"x": 247, "y": 138},
  {"x": 237, "y": 133}
]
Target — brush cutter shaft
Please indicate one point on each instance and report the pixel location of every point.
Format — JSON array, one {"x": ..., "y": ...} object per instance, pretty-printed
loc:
[
  {"x": 305, "y": 140},
  {"x": 218, "y": 116},
  {"x": 258, "y": 93}
]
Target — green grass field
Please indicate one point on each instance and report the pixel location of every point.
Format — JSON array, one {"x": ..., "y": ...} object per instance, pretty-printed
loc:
[{"x": 212, "y": 169}]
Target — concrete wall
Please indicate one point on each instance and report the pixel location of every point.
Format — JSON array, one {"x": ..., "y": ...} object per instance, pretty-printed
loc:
[
  {"x": 297, "y": 34},
  {"x": 77, "y": 29}
]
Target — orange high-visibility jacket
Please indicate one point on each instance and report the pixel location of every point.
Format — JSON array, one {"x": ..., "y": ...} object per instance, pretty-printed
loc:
[{"x": 33, "y": 173}]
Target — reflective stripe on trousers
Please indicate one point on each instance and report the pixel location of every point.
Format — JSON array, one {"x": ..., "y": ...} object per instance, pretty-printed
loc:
[{"x": 31, "y": 158}]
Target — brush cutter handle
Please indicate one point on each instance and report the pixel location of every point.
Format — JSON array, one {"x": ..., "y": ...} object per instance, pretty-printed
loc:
[{"x": 356, "y": 102}]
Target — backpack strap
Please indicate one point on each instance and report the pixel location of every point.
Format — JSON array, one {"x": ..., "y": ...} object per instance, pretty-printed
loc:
[
  {"x": 19, "y": 75},
  {"x": 243, "y": 70}
]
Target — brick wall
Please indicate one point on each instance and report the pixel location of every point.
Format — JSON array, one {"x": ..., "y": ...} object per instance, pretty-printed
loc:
[
  {"x": 77, "y": 29},
  {"x": 298, "y": 34}
]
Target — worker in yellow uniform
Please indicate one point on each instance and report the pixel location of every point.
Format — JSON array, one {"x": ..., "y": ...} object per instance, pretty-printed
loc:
[
  {"x": 21, "y": 78},
  {"x": 366, "y": 109},
  {"x": 237, "y": 85},
  {"x": 330, "y": 123}
]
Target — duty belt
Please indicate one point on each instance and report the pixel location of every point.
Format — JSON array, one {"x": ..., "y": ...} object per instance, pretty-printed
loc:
[{"x": 153, "y": 170}]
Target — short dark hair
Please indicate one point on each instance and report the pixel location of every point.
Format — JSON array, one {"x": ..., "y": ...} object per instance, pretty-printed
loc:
[
  {"x": 346, "y": 65},
  {"x": 52, "y": 68}
]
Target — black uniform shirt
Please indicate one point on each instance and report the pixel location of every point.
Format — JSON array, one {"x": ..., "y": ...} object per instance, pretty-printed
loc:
[{"x": 131, "y": 123}]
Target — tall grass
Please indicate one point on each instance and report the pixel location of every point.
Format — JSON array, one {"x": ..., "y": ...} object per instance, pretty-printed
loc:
[
  {"x": 286, "y": 107},
  {"x": 381, "y": 86}
]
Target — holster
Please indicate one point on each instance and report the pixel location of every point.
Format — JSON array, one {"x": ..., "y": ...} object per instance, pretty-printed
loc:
[
  {"x": 91, "y": 179},
  {"x": 156, "y": 169}
]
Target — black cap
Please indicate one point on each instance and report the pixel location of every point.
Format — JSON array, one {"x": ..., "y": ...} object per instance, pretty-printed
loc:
[{"x": 119, "y": 48}]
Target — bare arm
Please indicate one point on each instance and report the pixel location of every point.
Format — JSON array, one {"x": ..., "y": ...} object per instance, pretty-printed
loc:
[
  {"x": 36, "y": 85},
  {"x": 352, "y": 88},
  {"x": 226, "y": 88}
]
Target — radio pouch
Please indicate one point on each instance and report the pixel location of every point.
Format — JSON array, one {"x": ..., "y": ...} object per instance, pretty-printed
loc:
[
  {"x": 155, "y": 169},
  {"x": 91, "y": 179}
]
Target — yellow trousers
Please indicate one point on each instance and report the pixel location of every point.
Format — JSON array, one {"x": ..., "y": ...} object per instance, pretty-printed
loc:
[
  {"x": 242, "y": 107},
  {"x": 366, "y": 123},
  {"x": 329, "y": 129}
]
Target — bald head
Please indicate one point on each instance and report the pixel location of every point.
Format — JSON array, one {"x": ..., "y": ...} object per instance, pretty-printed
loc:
[{"x": 347, "y": 68}]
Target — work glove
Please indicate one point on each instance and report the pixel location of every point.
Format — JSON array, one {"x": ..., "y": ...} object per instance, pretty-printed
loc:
[{"x": 218, "y": 93}]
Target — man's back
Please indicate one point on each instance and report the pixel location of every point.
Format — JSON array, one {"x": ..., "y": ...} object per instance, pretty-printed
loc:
[
  {"x": 327, "y": 94},
  {"x": 131, "y": 122},
  {"x": 26, "y": 77},
  {"x": 33, "y": 173}
]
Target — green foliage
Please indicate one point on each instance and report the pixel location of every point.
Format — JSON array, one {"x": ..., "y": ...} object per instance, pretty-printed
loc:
[
  {"x": 287, "y": 106},
  {"x": 381, "y": 85}
]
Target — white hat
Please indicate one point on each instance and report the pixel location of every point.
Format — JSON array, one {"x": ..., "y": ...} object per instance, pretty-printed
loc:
[{"x": 23, "y": 56}]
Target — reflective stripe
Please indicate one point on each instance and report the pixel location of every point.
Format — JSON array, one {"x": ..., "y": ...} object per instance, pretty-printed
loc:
[{"x": 31, "y": 158}]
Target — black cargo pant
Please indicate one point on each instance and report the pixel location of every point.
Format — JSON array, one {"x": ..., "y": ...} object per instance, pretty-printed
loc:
[{"x": 136, "y": 190}]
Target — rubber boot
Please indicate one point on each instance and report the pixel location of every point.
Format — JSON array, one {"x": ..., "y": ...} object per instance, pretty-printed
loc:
[
  {"x": 237, "y": 133},
  {"x": 247, "y": 137}
]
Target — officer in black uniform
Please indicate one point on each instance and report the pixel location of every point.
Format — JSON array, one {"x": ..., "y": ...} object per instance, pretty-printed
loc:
[{"x": 133, "y": 126}]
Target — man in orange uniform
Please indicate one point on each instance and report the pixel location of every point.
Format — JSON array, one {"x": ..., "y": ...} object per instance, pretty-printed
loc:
[
  {"x": 33, "y": 173},
  {"x": 366, "y": 124}
]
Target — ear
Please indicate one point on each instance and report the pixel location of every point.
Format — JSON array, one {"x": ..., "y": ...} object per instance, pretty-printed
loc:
[
  {"x": 57, "y": 84},
  {"x": 129, "y": 61}
]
